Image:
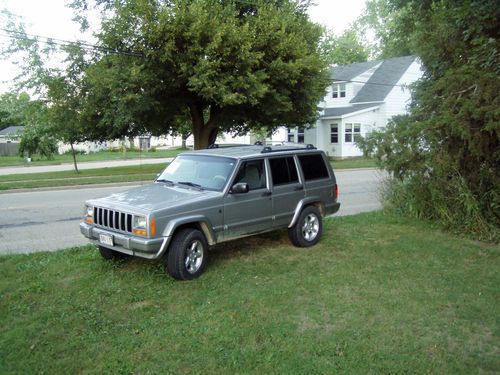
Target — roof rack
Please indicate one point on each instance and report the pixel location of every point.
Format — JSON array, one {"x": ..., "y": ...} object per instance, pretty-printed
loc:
[
  {"x": 279, "y": 148},
  {"x": 226, "y": 145}
]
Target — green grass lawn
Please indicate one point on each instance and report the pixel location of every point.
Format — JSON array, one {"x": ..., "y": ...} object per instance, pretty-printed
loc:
[
  {"x": 145, "y": 172},
  {"x": 378, "y": 294},
  {"x": 12, "y": 161},
  {"x": 355, "y": 162}
]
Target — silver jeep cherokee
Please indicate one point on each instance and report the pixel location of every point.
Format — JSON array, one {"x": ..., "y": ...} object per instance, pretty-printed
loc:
[{"x": 209, "y": 196}]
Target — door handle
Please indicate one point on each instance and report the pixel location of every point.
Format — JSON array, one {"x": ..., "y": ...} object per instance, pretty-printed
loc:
[
  {"x": 298, "y": 188},
  {"x": 267, "y": 194}
]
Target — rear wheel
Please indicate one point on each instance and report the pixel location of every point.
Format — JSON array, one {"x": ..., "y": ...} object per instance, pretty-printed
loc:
[
  {"x": 187, "y": 255},
  {"x": 109, "y": 254},
  {"x": 308, "y": 228}
]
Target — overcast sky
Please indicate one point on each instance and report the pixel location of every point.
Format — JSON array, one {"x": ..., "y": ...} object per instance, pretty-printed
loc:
[{"x": 51, "y": 18}]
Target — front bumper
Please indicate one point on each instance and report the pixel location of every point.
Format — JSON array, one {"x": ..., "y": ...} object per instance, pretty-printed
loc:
[{"x": 128, "y": 244}]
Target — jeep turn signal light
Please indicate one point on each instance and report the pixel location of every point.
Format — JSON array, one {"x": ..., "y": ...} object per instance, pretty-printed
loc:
[
  {"x": 89, "y": 220},
  {"x": 335, "y": 191},
  {"x": 153, "y": 226},
  {"x": 140, "y": 232}
]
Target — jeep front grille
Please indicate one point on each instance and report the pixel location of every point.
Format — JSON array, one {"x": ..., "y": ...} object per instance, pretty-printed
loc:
[{"x": 113, "y": 219}]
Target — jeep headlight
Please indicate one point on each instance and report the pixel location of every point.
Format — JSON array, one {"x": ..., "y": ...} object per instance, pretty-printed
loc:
[
  {"x": 139, "y": 222},
  {"x": 88, "y": 214},
  {"x": 89, "y": 211}
]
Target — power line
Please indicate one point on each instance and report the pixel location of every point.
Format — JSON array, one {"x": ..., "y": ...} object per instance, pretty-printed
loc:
[
  {"x": 13, "y": 34},
  {"x": 19, "y": 35}
]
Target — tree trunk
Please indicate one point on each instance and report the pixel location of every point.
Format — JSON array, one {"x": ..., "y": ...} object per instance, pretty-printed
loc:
[
  {"x": 204, "y": 134},
  {"x": 74, "y": 157}
]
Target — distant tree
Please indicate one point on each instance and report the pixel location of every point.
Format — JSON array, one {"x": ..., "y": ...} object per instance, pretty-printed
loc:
[
  {"x": 58, "y": 113},
  {"x": 445, "y": 155},
  {"x": 66, "y": 93},
  {"x": 37, "y": 139},
  {"x": 231, "y": 65},
  {"x": 344, "y": 49},
  {"x": 15, "y": 109},
  {"x": 384, "y": 23}
]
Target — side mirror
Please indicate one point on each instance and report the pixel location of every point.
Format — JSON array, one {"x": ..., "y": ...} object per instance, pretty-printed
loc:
[{"x": 239, "y": 188}]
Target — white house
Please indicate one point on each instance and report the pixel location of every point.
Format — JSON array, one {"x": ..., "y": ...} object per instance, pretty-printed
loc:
[{"x": 362, "y": 97}]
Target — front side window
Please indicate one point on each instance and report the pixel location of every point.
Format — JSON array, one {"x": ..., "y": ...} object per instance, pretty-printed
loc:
[
  {"x": 253, "y": 173},
  {"x": 313, "y": 167},
  {"x": 283, "y": 170},
  {"x": 338, "y": 90},
  {"x": 207, "y": 172},
  {"x": 334, "y": 133}
]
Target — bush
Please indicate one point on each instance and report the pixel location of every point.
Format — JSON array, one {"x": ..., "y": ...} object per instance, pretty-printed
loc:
[{"x": 426, "y": 181}]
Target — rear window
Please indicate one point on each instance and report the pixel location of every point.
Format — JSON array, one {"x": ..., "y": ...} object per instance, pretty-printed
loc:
[
  {"x": 283, "y": 170},
  {"x": 313, "y": 166}
]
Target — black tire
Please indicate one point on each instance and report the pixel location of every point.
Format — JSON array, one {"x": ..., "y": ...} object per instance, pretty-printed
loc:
[
  {"x": 304, "y": 234},
  {"x": 109, "y": 254},
  {"x": 187, "y": 255}
]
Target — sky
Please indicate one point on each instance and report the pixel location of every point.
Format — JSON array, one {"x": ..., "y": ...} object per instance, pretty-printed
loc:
[{"x": 51, "y": 18}]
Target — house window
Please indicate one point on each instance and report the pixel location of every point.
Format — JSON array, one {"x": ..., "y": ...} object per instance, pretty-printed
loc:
[
  {"x": 334, "y": 133},
  {"x": 352, "y": 132},
  {"x": 300, "y": 135},
  {"x": 357, "y": 132},
  {"x": 338, "y": 90},
  {"x": 290, "y": 135}
]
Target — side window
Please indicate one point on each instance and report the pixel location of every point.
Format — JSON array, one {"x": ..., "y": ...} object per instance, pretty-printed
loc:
[
  {"x": 253, "y": 173},
  {"x": 313, "y": 166},
  {"x": 283, "y": 170}
]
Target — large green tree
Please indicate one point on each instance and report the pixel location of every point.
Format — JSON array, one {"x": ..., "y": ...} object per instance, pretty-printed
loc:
[
  {"x": 387, "y": 25},
  {"x": 230, "y": 65},
  {"x": 346, "y": 48},
  {"x": 446, "y": 154}
]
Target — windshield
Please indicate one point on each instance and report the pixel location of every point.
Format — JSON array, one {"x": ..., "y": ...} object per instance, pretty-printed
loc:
[{"x": 206, "y": 172}]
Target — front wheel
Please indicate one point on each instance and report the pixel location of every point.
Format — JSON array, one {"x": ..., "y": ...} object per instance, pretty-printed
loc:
[
  {"x": 187, "y": 255},
  {"x": 308, "y": 228}
]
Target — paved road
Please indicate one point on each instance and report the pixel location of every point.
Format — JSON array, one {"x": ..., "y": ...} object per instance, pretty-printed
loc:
[
  {"x": 85, "y": 165},
  {"x": 48, "y": 220}
]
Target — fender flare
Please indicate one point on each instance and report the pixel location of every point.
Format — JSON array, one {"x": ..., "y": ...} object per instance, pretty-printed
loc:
[
  {"x": 202, "y": 221},
  {"x": 316, "y": 201}
]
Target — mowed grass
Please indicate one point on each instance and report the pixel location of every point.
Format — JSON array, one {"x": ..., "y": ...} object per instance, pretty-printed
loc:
[
  {"x": 145, "y": 172},
  {"x": 354, "y": 162},
  {"x": 13, "y": 161},
  {"x": 378, "y": 294}
]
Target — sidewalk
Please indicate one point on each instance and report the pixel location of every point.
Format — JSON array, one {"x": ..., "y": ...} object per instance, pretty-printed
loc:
[{"x": 83, "y": 165}]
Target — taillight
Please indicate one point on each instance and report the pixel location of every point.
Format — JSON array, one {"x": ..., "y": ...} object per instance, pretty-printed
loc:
[{"x": 335, "y": 191}]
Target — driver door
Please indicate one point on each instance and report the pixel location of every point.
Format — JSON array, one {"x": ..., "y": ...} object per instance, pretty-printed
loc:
[{"x": 251, "y": 212}]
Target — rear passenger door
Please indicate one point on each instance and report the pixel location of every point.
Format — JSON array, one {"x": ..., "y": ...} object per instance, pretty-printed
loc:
[
  {"x": 318, "y": 182},
  {"x": 287, "y": 189}
]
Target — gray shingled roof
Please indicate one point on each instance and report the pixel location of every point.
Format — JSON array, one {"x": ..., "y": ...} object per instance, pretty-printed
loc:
[
  {"x": 383, "y": 80},
  {"x": 348, "y": 72},
  {"x": 341, "y": 111},
  {"x": 12, "y": 130}
]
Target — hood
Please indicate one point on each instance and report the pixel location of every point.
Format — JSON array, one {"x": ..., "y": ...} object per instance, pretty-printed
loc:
[{"x": 152, "y": 197}]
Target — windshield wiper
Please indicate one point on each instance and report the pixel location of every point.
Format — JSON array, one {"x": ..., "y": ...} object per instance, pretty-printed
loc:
[
  {"x": 165, "y": 181},
  {"x": 192, "y": 184}
]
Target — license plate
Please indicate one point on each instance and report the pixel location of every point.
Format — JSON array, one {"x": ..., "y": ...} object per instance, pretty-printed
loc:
[{"x": 106, "y": 239}]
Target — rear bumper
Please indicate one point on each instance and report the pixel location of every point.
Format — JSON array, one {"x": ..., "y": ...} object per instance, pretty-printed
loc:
[
  {"x": 333, "y": 208},
  {"x": 127, "y": 244}
]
